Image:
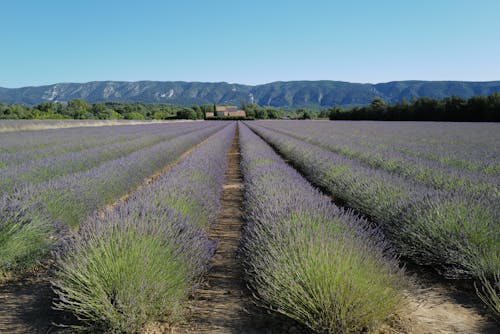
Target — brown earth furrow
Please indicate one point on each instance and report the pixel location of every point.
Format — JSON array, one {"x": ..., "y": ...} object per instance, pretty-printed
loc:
[
  {"x": 25, "y": 306},
  {"x": 223, "y": 304}
]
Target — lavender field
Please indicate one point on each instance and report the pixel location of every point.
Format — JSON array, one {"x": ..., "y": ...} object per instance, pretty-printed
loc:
[
  {"x": 148, "y": 250},
  {"x": 34, "y": 124},
  {"x": 332, "y": 213},
  {"x": 308, "y": 258},
  {"x": 432, "y": 188},
  {"x": 53, "y": 179}
]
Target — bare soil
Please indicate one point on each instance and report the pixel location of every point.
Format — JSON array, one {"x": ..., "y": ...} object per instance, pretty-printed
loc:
[
  {"x": 223, "y": 304},
  {"x": 220, "y": 304},
  {"x": 25, "y": 305},
  {"x": 445, "y": 307}
]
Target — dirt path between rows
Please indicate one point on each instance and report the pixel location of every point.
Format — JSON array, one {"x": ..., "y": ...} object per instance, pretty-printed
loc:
[
  {"x": 222, "y": 305},
  {"x": 25, "y": 305}
]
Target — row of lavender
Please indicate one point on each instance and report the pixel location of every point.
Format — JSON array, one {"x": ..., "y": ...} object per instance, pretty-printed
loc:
[
  {"x": 35, "y": 169},
  {"x": 455, "y": 232},
  {"x": 10, "y": 125},
  {"x": 22, "y": 146},
  {"x": 31, "y": 214},
  {"x": 139, "y": 260},
  {"x": 457, "y": 171},
  {"x": 470, "y": 146},
  {"x": 305, "y": 257},
  {"x": 52, "y": 141}
]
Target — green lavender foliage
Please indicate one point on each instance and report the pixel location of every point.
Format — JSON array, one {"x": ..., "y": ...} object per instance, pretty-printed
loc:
[
  {"x": 138, "y": 261},
  {"x": 308, "y": 259},
  {"x": 456, "y": 231},
  {"x": 25, "y": 235}
]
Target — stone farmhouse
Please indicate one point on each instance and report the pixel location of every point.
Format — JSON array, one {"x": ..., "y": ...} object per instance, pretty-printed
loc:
[{"x": 229, "y": 111}]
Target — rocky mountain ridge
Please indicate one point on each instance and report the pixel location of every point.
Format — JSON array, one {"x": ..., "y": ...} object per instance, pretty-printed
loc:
[{"x": 322, "y": 93}]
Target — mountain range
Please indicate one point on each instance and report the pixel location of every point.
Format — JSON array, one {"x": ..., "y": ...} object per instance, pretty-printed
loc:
[{"x": 289, "y": 94}]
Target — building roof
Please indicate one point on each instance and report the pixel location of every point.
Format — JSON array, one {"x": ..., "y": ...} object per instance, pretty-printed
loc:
[{"x": 226, "y": 108}]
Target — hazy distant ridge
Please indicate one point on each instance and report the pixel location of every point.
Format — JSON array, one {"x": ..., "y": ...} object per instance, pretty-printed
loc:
[{"x": 281, "y": 94}]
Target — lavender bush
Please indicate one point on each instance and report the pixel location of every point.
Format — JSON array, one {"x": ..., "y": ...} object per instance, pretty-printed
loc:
[
  {"x": 455, "y": 232},
  {"x": 305, "y": 257},
  {"x": 24, "y": 234},
  {"x": 415, "y": 166},
  {"x": 70, "y": 199},
  {"x": 23, "y": 146},
  {"x": 35, "y": 171},
  {"x": 140, "y": 259},
  {"x": 64, "y": 139},
  {"x": 489, "y": 292},
  {"x": 467, "y": 146},
  {"x": 10, "y": 125}
]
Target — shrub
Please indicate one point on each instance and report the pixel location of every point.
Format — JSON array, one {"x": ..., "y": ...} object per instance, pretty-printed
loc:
[
  {"x": 308, "y": 259},
  {"x": 458, "y": 235},
  {"x": 140, "y": 260},
  {"x": 490, "y": 292},
  {"x": 119, "y": 273},
  {"x": 25, "y": 235},
  {"x": 454, "y": 231}
]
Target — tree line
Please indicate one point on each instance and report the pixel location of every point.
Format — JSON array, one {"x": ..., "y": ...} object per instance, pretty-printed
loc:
[
  {"x": 80, "y": 109},
  {"x": 254, "y": 111},
  {"x": 454, "y": 108}
]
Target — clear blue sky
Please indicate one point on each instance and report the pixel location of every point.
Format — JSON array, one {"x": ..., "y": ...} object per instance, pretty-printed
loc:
[{"x": 252, "y": 42}]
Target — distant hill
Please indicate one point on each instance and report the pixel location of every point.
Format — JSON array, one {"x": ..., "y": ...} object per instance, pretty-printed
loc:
[{"x": 280, "y": 94}]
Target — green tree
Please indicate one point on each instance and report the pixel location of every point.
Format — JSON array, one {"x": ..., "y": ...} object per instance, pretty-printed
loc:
[
  {"x": 335, "y": 112},
  {"x": 162, "y": 114},
  {"x": 260, "y": 113},
  {"x": 186, "y": 113},
  {"x": 46, "y": 107},
  {"x": 274, "y": 113},
  {"x": 199, "y": 112},
  {"x": 78, "y": 108},
  {"x": 378, "y": 104}
]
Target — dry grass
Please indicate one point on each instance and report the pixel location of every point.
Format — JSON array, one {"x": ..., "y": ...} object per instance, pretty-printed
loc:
[{"x": 30, "y": 125}]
